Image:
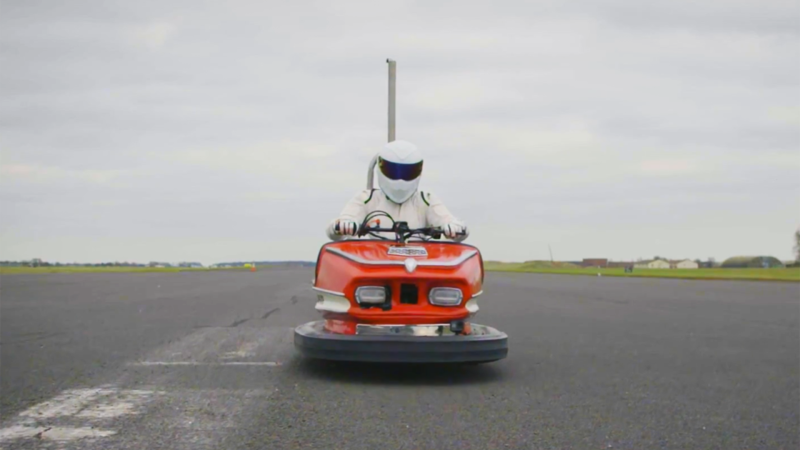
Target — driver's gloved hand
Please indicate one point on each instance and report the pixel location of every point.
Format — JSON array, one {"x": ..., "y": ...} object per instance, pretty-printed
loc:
[
  {"x": 453, "y": 230},
  {"x": 345, "y": 227}
]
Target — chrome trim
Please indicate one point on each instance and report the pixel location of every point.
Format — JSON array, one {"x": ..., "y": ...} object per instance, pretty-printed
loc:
[
  {"x": 456, "y": 262},
  {"x": 439, "y": 329},
  {"x": 332, "y": 303},
  {"x": 477, "y": 294},
  {"x": 358, "y": 297},
  {"x": 410, "y": 251},
  {"x": 441, "y": 288},
  {"x": 325, "y": 291}
]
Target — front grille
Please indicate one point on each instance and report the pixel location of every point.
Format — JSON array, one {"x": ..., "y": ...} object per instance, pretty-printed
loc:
[{"x": 409, "y": 294}]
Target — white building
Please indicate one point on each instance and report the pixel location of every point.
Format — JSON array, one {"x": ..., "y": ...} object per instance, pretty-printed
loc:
[
  {"x": 686, "y": 264},
  {"x": 652, "y": 264}
]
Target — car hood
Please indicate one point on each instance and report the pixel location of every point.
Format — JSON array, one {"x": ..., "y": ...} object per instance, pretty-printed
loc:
[{"x": 425, "y": 253}]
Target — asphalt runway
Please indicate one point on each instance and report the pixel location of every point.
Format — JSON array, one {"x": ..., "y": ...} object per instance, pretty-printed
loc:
[{"x": 206, "y": 360}]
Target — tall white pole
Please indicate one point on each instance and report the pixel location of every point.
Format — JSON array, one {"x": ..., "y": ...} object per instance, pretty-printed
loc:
[{"x": 392, "y": 96}]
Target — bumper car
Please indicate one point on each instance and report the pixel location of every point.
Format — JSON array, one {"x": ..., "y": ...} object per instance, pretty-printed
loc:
[{"x": 410, "y": 299}]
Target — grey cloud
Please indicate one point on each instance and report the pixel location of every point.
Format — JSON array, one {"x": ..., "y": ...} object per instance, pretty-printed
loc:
[
  {"x": 711, "y": 16},
  {"x": 159, "y": 127}
]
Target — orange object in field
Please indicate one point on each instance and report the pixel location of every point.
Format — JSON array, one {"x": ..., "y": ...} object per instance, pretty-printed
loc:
[{"x": 253, "y": 268}]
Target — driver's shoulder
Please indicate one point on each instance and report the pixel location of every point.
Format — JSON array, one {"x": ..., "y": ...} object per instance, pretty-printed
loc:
[
  {"x": 425, "y": 198},
  {"x": 364, "y": 196}
]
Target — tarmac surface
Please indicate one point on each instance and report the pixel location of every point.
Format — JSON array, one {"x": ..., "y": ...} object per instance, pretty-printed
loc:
[{"x": 206, "y": 360}]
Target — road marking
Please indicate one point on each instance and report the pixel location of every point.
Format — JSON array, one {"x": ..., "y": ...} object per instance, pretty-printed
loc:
[
  {"x": 243, "y": 350},
  {"x": 19, "y": 432},
  {"x": 90, "y": 405},
  {"x": 114, "y": 410},
  {"x": 226, "y": 345},
  {"x": 202, "y": 363},
  {"x": 67, "y": 403},
  {"x": 95, "y": 416},
  {"x": 70, "y": 434},
  {"x": 60, "y": 434}
]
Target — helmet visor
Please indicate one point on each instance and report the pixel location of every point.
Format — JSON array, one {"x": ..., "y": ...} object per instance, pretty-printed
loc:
[{"x": 397, "y": 171}]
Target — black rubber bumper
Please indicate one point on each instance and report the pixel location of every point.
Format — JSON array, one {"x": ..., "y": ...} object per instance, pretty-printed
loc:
[{"x": 486, "y": 344}]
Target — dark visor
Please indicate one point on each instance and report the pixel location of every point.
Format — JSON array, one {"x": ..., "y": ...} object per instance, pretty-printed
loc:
[{"x": 397, "y": 171}]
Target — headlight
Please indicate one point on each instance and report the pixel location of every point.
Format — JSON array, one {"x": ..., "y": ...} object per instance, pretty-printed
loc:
[
  {"x": 371, "y": 295},
  {"x": 445, "y": 296}
]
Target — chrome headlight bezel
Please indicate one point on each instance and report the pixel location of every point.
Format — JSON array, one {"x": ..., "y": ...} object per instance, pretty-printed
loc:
[
  {"x": 370, "y": 295},
  {"x": 445, "y": 296}
]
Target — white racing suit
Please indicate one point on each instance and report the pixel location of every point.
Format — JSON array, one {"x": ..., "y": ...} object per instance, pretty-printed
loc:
[{"x": 420, "y": 211}]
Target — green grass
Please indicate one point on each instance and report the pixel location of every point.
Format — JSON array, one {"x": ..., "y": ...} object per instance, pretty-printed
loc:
[
  {"x": 789, "y": 274},
  {"x": 528, "y": 265},
  {"x": 33, "y": 270}
]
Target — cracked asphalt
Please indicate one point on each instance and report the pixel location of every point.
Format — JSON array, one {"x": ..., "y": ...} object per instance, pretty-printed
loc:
[{"x": 206, "y": 360}]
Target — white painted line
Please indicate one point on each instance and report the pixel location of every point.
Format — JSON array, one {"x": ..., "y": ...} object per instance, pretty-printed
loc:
[
  {"x": 67, "y": 403},
  {"x": 19, "y": 432},
  {"x": 88, "y": 404},
  {"x": 65, "y": 434},
  {"x": 61, "y": 434},
  {"x": 243, "y": 350},
  {"x": 106, "y": 411},
  {"x": 201, "y": 363}
]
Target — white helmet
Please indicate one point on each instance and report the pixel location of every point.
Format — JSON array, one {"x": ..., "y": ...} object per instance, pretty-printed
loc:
[{"x": 399, "y": 170}]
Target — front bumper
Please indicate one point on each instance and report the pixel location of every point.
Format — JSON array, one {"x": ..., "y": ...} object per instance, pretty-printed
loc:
[{"x": 402, "y": 344}]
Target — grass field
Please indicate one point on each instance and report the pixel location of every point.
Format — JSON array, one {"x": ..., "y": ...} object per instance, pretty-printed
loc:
[{"x": 790, "y": 274}]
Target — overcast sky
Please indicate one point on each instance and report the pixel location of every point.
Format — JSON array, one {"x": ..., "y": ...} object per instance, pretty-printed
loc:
[{"x": 219, "y": 131}]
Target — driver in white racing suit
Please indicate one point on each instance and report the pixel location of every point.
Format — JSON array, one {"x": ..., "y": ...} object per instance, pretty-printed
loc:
[{"x": 400, "y": 169}]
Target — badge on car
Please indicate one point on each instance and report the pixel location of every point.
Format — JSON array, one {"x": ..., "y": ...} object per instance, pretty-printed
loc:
[{"x": 408, "y": 251}]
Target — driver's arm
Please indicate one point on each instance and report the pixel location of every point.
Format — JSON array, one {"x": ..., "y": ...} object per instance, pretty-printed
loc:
[
  {"x": 354, "y": 210},
  {"x": 439, "y": 216}
]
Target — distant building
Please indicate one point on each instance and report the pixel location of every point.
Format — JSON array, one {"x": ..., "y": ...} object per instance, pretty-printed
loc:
[
  {"x": 741, "y": 262},
  {"x": 710, "y": 263},
  {"x": 594, "y": 262},
  {"x": 652, "y": 264},
  {"x": 618, "y": 264},
  {"x": 684, "y": 264}
]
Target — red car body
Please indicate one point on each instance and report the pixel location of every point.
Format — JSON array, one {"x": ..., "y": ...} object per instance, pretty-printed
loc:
[{"x": 407, "y": 326}]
